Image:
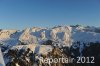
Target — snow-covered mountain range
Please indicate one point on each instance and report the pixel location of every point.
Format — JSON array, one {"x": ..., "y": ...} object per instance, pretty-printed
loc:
[
  {"x": 34, "y": 38},
  {"x": 67, "y": 34}
]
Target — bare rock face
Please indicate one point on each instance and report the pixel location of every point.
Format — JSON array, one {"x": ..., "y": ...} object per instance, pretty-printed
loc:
[
  {"x": 67, "y": 39},
  {"x": 27, "y": 38},
  {"x": 6, "y": 33},
  {"x": 67, "y": 36},
  {"x": 43, "y": 35},
  {"x": 26, "y": 34},
  {"x": 53, "y": 34},
  {"x": 36, "y": 29},
  {"x": 1, "y": 58},
  {"x": 62, "y": 33}
]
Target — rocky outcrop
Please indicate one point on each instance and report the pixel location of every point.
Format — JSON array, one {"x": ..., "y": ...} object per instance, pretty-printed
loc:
[
  {"x": 1, "y": 58},
  {"x": 4, "y": 34}
]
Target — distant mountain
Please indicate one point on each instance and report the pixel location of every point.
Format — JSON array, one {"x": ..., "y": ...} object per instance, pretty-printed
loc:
[
  {"x": 42, "y": 40},
  {"x": 67, "y": 34}
]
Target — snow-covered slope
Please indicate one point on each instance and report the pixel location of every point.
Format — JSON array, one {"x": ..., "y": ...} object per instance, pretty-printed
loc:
[
  {"x": 34, "y": 38},
  {"x": 67, "y": 34}
]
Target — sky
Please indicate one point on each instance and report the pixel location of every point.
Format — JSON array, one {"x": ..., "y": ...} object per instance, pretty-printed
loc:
[
  {"x": 20, "y": 14},
  {"x": 0, "y": 65}
]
